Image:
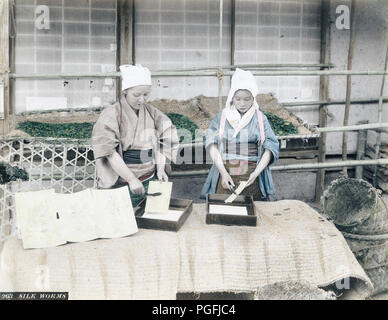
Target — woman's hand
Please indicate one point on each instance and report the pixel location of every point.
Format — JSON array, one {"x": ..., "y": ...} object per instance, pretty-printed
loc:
[
  {"x": 252, "y": 178},
  {"x": 136, "y": 186},
  {"x": 227, "y": 181},
  {"x": 263, "y": 163},
  {"x": 162, "y": 175}
]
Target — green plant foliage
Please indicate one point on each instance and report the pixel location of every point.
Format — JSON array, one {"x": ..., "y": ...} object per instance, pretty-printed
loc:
[
  {"x": 57, "y": 130},
  {"x": 84, "y": 130},
  {"x": 10, "y": 173},
  {"x": 280, "y": 126},
  {"x": 183, "y": 122}
]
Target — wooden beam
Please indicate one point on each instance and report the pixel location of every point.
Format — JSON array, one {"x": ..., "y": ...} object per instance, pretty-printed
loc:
[
  {"x": 233, "y": 32},
  {"x": 323, "y": 94},
  {"x": 126, "y": 23},
  {"x": 4, "y": 62},
  {"x": 362, "y": 139},
  {"x": 12, "y": 44},
  {"x": 380, "y": 118},
  {"x": 349, "y": 83}
]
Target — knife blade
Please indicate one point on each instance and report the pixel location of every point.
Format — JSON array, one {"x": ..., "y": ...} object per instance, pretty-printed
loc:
[
  {"x": 232, "y": 188},
  {"x": 153, "y": 194}
]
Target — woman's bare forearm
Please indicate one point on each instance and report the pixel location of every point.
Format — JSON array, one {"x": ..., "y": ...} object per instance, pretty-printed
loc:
[
  {"x": 217, "y": 159},
  {"x": 263, "y": 163},
  {"x": 160, "y": 161},
  {"x": 118, "y": 165}
]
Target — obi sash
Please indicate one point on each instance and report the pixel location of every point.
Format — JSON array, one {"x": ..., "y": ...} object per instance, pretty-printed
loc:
[
  {"x": 243, "y": 149},
  {"x": 134, "y": 156}
]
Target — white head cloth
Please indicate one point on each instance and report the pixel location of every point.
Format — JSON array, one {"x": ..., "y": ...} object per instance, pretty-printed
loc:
[
  {"x": 241, "y": 80},
  {"x": 135, "y": 76}
]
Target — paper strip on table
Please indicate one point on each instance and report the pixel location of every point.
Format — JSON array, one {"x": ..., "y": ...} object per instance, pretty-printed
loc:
[
  {"x": 240, "y": 189},
  {"x": 158, "y": 204}
]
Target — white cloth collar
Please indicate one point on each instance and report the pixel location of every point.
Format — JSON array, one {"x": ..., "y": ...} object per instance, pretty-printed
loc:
[{"x": 241, "y": 80}]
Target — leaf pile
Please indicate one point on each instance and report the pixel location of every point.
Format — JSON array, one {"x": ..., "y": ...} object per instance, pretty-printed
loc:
[
  {"x": 10, "y": 173},
  {"x": 57, "y": 130},
  {"x": 280, "y": 126},
  {"x": 84, "y": 130},
  {"x": 183, "y": 122}
]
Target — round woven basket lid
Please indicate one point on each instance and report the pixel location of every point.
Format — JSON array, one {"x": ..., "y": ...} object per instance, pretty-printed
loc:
[{"x": 349, "y": 202}]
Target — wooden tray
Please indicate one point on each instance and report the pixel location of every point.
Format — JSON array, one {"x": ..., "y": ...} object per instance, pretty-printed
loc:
[
  {"x": 157, "y": 224},
  {"x": 227, "y": 219}
]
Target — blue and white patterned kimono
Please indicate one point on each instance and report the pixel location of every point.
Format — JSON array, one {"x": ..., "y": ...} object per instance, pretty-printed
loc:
[{"x": 249, "y": 134}]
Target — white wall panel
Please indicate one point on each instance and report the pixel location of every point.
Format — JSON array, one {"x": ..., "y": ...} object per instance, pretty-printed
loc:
[{"x": 79, "y": 40}]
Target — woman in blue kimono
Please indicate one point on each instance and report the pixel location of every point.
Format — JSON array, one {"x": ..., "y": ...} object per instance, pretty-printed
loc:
[{"x": 241, "y": 143}]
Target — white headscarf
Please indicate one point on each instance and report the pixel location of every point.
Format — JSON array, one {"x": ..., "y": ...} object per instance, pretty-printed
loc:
[
  {"x": 241, "y": 80},
  {"x": 135, "y": 76}
]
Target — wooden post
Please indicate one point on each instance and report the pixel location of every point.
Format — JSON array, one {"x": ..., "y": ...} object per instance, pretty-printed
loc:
[
  {"x": 4, "y": 62},
  {"x": 380, "y": 117},
  {"x": 220, "y": 79},
  {"x": 233, "y": 32},
  {"x": 323, "y": 93},
  {"x": 12, "y": 44},
  {"x": 126, "y": 28},
  {"x": 125, "y": 34},
  {"x": 361, "y": 146},
  {"x": 349, "y": 84}
]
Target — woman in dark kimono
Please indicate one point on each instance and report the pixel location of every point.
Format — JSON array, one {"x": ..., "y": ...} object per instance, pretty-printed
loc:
[{"x": 241, "y": 143}]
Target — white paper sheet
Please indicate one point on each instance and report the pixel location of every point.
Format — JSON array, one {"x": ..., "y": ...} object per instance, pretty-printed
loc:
[
  {"x": 49, "y": 219},
  {"x": 160, "y": 203},
  {"x": 36, "y": 217},
  {"x": 232, "y": 210},
  {"x": 240, "y": 189},
  {"x": 114, "y": 215},
  {"x": 170, "y": 215},
  {"x": 76, "y": 218}
]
